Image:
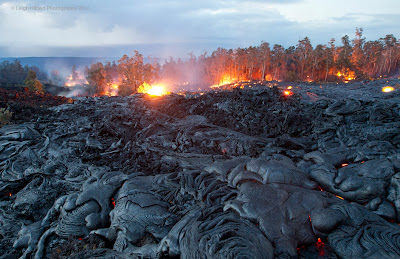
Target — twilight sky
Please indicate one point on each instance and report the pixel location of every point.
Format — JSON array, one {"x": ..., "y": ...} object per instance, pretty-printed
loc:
[{"x": 162, "y": 28}]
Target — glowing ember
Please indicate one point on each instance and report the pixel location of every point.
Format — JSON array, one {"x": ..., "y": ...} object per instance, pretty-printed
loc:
[
  {"x": 387, "y": 89},
  {"x": 287, "y": 93},
  {"x": 339, "y": 197},
  {"x": 289, "y": 87},
  {"x": 345, "y": 164}
]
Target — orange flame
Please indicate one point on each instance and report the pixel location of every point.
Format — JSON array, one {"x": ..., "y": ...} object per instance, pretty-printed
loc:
[
  {"x": 154, "y": 90},
  {"x": 225, "y": 80},
  {"x": 347, "y": 77}
]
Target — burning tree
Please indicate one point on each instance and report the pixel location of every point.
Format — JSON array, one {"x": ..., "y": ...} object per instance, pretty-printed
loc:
[
  {"x": 354, "y": 59},
  {"x": 122, "y": 79},
  {"x": 134, "y": 73}
]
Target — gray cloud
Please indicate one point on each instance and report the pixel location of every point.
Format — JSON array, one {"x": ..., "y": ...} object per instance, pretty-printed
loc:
[{"x": 166, "y": 27}]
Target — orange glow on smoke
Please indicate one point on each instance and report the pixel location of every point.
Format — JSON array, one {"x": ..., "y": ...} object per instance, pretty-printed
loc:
[
  {"x": 70, "y": 82},
  {"x": 387, "y": 89}
]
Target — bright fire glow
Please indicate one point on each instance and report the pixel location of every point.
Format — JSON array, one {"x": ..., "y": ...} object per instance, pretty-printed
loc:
[
  {"x": 287, "y": 93},
  {"x": 289, "y": 87},
  {"x": 225, "y": 80},
  {"x": 387, "y": 89},
  {"x": 268, "y": 77},
  {"x": 155, "y": 90},
  {"x": 347, "y": 77}
]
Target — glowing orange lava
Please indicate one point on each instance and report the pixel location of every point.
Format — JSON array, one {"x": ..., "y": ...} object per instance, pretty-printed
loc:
[
  {"x": 287, "y": 93},
  {"x": 320, "y": 246},
  {"x": 387, "y": 89}
]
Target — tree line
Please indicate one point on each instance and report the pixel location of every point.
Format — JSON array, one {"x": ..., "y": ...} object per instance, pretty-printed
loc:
[
  {"x": 14, "y": 75},
  {"x": 353, "y": 59}
]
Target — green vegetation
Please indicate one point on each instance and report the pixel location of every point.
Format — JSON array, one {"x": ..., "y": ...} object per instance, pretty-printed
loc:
[
  {"x": 32, "y": 83},
  {"x": 5, "y": 116}
]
